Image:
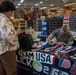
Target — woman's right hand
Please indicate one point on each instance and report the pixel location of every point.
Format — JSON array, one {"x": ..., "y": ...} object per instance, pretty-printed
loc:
[{"x": 18, "y": 31}]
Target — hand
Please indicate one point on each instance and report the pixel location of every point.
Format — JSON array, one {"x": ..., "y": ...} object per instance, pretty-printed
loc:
[
  {"x": 61, "y": 43},
  {"x": 53, "y": 43},
  {"x": 48, "y": 39},
  {"x": 18, "y": 31}
]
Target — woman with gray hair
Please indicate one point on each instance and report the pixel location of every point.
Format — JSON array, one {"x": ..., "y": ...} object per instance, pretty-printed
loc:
[{"x": 62, "y": 35}]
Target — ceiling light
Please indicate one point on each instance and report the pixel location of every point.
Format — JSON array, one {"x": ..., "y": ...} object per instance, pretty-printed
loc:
[
  {"x": 55, "y": 8},
  {"x": 42, "y": 8},
  {"x": 36, "y": 4},
  {"x": 41, "y": 2},
  {"x": 19, "y": 4},
  {"x": 69, "y": 4},
  {"x": 52, "y": 5},
  {"x": 21, "y": 1}
]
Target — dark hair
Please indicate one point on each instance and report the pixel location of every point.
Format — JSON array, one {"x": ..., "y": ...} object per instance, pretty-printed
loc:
[{"x": 6, "y": 6}]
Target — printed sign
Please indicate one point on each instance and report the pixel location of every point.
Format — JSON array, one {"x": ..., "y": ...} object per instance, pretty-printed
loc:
[
  {"x": 55, "y": 71},
  {"x": 73, "y": 69},
  {"x": 64, "y": 63},
  {"x": 37, "y": 66},
  {"x": 38, "y": 56}
]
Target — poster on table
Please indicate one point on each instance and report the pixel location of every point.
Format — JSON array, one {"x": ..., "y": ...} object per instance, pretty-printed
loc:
[{"x": 38, "y": 63}]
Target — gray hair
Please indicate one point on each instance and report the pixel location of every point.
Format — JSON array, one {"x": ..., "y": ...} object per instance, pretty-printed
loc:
[{"x": 65, "y": 28}]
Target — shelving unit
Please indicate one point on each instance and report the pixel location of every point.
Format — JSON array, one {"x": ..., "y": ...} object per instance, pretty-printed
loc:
[
  {"x": 22, "y": 25},
  {"x": 38, "y": 24},
  {"x": 54, "y": 23},
  {"x": 73, "y": 23},
  {"x": 19, "y": 23}
]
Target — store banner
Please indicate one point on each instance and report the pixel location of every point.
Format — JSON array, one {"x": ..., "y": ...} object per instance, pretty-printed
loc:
[
  {"x": 38, "y": 63},
  {"x": 67, "y": 8},
  {"x": 66, "y": 18},
  {"x": 53, "y": 11}
]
